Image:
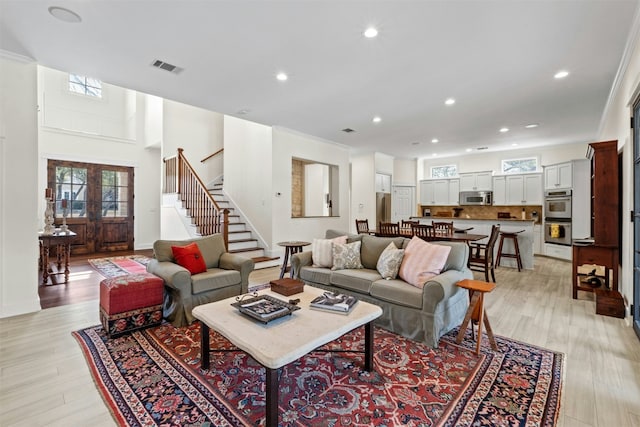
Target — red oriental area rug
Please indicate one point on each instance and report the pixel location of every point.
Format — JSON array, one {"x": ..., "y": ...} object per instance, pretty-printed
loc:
[
  {"x": 153, "y": 377},
  {"x": 120, "y": 265}
]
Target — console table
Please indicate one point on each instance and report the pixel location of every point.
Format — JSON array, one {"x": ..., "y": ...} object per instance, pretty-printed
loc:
[{"x": 62, "y": 243}]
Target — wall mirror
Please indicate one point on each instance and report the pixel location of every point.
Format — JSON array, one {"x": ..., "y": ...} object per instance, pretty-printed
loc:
[{"x": 314, "y": 189}]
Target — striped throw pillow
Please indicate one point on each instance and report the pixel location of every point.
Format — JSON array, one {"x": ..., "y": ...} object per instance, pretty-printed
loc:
[
  {"x": 422, "y": 261},
  {"x": 321, "y": 251}
]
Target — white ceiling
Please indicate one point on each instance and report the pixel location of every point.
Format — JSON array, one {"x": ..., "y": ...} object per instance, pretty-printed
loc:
[{"x": 496, "y": 58}]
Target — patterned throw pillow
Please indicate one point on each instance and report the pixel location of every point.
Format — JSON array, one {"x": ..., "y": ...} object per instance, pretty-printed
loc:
[
  {"x": 389, "y": 261},
  {"x": 321, "y": 253},
  {"x": 346, "y": 255},
  {"x": 422, "y": 261}
]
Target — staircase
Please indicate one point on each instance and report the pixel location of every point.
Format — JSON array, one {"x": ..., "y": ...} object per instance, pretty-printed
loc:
[{"x": 241, "y": 239}]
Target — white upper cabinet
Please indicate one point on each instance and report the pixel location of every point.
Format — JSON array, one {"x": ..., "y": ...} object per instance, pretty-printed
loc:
[
  {"x": 512, "y": 190},
  {"x": 441, "y": 192},
  {"x": 383, "y": 183},
  {"x": 476, "y": 181},
  {"x": 524, "y": 189},
  {"x": 558, "y": 176},
  {"x": 499, "y": 191}
]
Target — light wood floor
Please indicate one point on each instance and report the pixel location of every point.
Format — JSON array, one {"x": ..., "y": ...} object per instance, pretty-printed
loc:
[{"x": 44, "y": 379}]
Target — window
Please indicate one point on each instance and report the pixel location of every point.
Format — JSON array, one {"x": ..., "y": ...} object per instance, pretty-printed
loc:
[
  {"x": 446, "y": 171},
  {"x": 529, "y": 164},
  {"x": 115, "y": 193},
  {"x": 85, "y": 85}
]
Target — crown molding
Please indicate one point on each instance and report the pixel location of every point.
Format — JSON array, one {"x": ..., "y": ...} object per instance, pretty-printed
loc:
[{"x": 5, "y": 54}]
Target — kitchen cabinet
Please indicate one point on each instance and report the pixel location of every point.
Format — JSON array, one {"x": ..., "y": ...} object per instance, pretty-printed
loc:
[
  {"x": 383, "y": 183},
  {"x": 442, "y": 192},
  {"x": 476, "y": 181},
  {"x": 525, "y": 189},
  {"x": 558, "y": 176},
  {"x": 499, "y": 191}
]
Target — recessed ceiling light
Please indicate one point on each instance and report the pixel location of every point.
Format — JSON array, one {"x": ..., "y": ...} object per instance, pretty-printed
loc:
[
  {"x": 532, "y": 125},
  {"x": 561, "y": 74},
  {"x": 450, "y": 101},
  {"x": 65, "y": 15},
  {"x": 282, "y": 77},
  {"x": 376, "y": 119},
  {"x": 434, "y": 141},
  {"x": 434, "y": 154},
  {"x": 468, "y": 150},
  {"x": 370, "y": 33},
  {"x": 514, "y": 145},
  {"x": 503, "y": 130}
]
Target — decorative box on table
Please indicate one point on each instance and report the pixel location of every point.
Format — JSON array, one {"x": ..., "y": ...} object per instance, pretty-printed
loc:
[
  {"x": 130, "y": 302},
  {"x": 287, "y": 286}
]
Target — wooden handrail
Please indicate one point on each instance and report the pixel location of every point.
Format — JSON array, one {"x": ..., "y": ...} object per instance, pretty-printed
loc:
[
  {"x": 212, "y": 155},
  {"x": 196, "y": 199}
]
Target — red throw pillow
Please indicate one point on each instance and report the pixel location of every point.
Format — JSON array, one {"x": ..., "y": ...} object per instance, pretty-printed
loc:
[{"x": 190, "y": 258}]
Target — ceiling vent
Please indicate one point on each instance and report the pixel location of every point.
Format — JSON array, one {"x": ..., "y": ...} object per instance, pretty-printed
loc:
[
  {"x": 348, "y": 130},
  {"x": 166, "y": 66},
  {"x": 482, "y": 148}
]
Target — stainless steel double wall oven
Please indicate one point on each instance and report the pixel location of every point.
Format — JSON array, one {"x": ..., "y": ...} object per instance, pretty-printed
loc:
[{"x": 557, "y": 217}]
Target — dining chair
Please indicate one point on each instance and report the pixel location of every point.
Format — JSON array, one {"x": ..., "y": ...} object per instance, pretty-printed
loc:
[
  {"x": 388, "y": 229},
  {"x": 443, "y": 227},
  {"x": 423, "y": 231},
  {"x": 408, "y": 223},
  {"x": 481, "y": 255},
  {"x": 362, "y": 226}
]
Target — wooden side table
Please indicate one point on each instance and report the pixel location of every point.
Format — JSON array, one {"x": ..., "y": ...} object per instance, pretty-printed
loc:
[
  {"x": 290, "y": 248},
  {"x": 62, "y": 243},
  {"x": 476, "y": 311}
]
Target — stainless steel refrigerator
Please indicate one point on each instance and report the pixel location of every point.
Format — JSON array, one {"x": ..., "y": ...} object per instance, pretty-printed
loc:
[{"x": 383, "y": 207}]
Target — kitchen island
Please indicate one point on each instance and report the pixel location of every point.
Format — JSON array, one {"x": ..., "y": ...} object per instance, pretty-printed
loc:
[{"x": 526, "y": 239}]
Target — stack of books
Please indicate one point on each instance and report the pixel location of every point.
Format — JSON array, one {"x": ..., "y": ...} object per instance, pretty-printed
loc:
[{"x": 337, "y": 303}]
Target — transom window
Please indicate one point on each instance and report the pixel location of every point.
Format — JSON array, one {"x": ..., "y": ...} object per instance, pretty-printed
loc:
[
  {"x": 528, "y": 164},
  {"x": 446, "y": 171},
  {"x": 85, "y": 85}
]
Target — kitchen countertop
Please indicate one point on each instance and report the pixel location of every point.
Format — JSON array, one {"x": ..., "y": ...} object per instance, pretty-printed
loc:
[{"x": 451, "y": 218}]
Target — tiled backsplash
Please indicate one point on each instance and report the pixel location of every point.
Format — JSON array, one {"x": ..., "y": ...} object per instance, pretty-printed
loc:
[{"x": 483, "y": 212}]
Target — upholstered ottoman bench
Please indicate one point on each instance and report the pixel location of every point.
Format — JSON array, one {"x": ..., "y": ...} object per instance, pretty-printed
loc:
[{"x": 130, "y": 302}]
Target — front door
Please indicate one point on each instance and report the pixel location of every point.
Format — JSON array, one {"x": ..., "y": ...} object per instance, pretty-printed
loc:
[{"x": 99, "y": 204}]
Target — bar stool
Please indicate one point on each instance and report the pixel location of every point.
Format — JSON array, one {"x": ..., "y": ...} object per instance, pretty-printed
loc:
[{"x": 513, "y": 235}]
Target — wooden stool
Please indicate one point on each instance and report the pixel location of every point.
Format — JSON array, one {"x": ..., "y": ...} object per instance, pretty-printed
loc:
[
  {"x": 476, "y": 311},
  {"x": 513, "y": 235}
]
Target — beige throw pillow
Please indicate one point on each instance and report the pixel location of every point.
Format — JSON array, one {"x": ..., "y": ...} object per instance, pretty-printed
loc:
[
  {"x": 422, "y": 261},
  {"x": 389, "y": 261},
  {"x": 321, "y": 251},
  {"x": 346, "y": 256}
]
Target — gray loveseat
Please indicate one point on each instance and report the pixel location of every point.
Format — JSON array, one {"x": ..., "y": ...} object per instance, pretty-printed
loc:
[
  {"x": 227, "y": 275},
  {"x": 419, "y": 314}
]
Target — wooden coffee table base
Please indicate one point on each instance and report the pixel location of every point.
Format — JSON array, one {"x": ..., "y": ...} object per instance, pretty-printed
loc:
[{"x": 271, "y": 378}]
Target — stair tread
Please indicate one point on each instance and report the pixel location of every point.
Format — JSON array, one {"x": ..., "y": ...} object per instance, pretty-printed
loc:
[
  {"x": 242, "y": 240},
  {"x": 264, "y": 258},
  {"x": 245, "y": 250}
]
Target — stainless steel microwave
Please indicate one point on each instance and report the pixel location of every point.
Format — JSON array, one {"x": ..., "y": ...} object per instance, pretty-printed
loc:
[{"x": 476, "y": 198}]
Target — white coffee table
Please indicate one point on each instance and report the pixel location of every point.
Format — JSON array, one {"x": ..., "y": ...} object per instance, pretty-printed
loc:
[{"x": 283, "y": 340}]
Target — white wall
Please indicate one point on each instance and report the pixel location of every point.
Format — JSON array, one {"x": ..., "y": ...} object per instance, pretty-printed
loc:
[
  {"x": 493, "y": 160},
  {"x": 83, "y": 147},
  {"x": 247, "y": 174},
  {"x": 615, "y": 125},
  {"x": 404, "y": 172},
  {"x": 19, "y": 190},
  {"x": 363, "y": 190},
  {"x": 286, "y": 145},
  {"x": 200, "y": 132}
]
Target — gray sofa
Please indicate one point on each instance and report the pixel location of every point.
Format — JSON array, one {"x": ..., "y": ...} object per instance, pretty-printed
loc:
[
  {"x": 227, "y": 275},
  {"x": 419, "y": 314}
]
